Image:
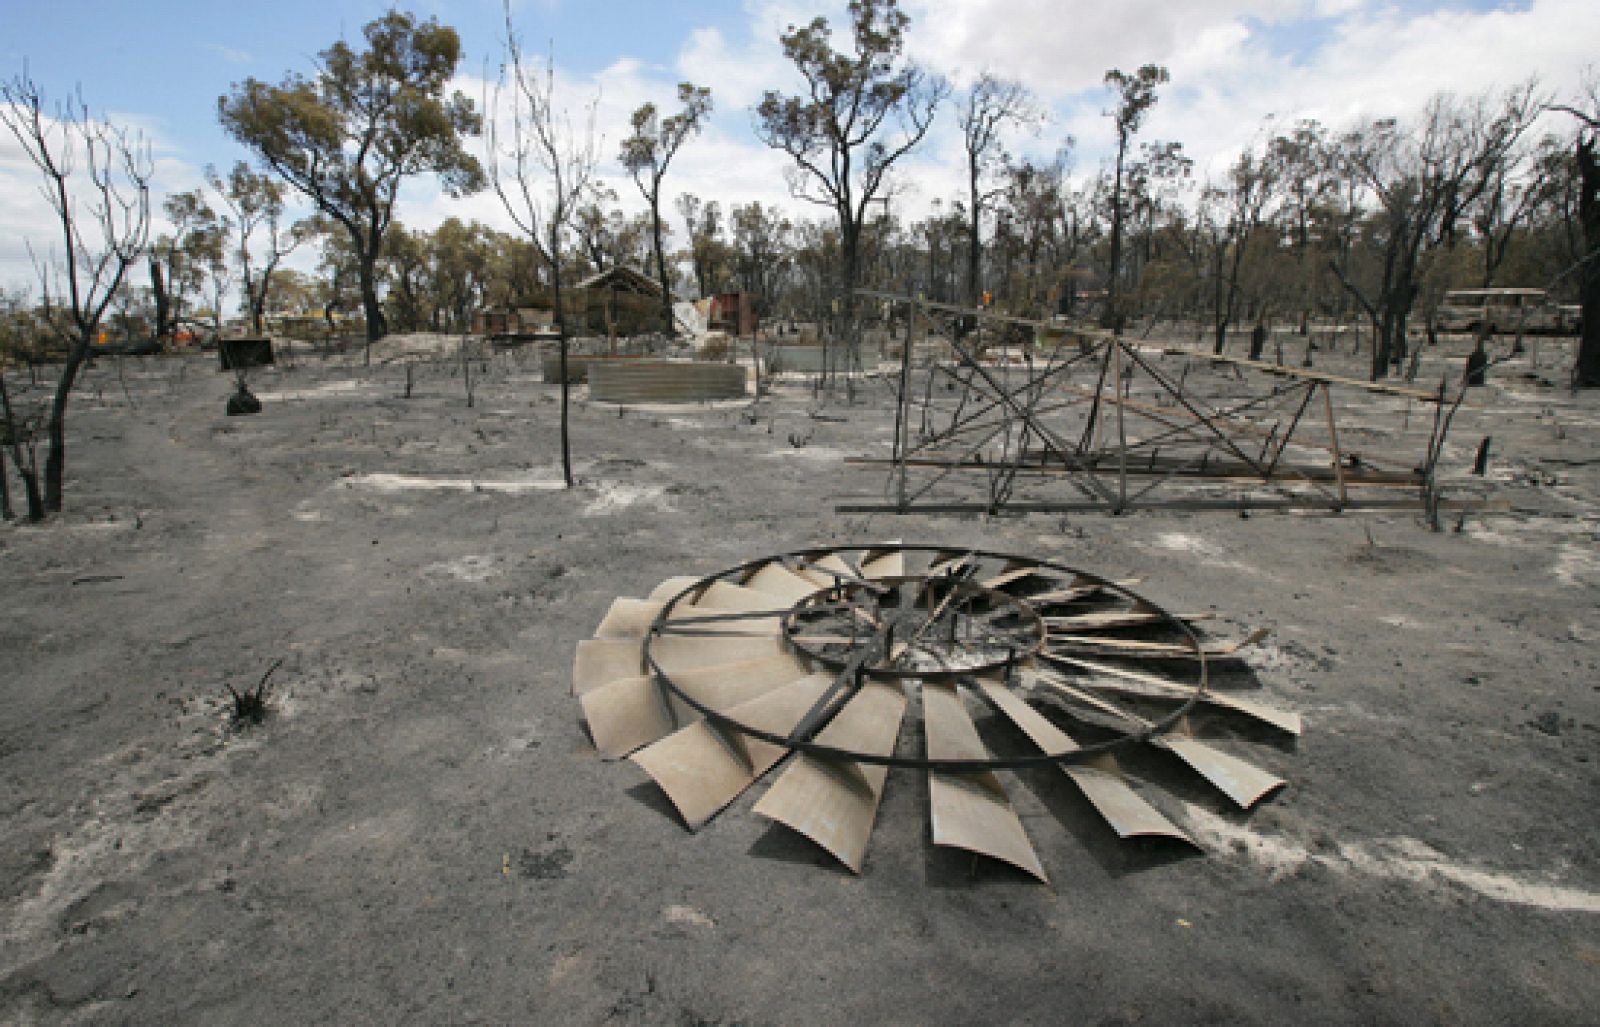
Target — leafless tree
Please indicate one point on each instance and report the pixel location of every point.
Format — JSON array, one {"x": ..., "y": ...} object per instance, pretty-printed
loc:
[
  {"x": 1424, "y": 180},
  {"x": 96, "y": 178},
  {"x": 540, "y": 165},
  {"x": 1586, "y": 372},
  {"x": 990, "y": 106},
  {"x": 1250, "y": 189}
]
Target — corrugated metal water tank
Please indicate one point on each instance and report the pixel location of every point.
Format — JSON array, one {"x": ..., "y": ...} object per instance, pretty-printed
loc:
[
  {"x": 578, "y": 365},
  {"x": 664, "y": 381}
]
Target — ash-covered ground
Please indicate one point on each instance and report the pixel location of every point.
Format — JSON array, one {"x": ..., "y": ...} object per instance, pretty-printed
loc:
[{"x": 421, "y": 831}]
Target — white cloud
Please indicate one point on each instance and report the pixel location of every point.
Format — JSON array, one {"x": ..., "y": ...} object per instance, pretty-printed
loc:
[
  {"x": 230, "y": 54},
  {"x": 26, "y": 216},
  {"x": 1339, "y": 61}
]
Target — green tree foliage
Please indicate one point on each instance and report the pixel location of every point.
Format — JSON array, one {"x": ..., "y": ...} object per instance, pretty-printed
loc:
[
  {"x": 262, "y": 240},
  {"x": 367, "y": 121},
  {"x": 708, "y": 251},
  {"x": 438, "y": 279},
  {"x": 182, "y": 260},
  {"x": 609, "y": 238},
  {"x": 861, "y": 111},
  {"x": 1135, "y": 95},
  {"x": 761, "y": 244}
]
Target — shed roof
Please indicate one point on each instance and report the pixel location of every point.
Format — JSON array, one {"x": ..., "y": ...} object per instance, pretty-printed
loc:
[{"x": 624, "y": 278}]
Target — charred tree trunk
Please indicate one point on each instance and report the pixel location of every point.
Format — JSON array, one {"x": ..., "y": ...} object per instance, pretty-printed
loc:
[
  {"x": 1112, "y": 318},
  {"x": 371, "y": 308},
  {"x": 164, "y": 313},
  {"x": 1586, "y": 375},
  {"x": 561, "y": 343},
  {"x": 668, "y": 324},
  {"x": 850, "y": 250},
  {"x": 55, "y": 461},
  {"x": 27, "y": 468},
  {"x": 974, "y": 226}
]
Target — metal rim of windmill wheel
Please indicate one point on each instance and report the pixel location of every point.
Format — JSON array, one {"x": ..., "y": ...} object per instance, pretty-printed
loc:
[{"x": 828, "y": 658}]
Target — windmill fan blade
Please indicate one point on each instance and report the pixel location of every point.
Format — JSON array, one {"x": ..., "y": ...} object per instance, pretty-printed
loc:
[
  {"x": 631, "y": 712},
  {"x": 949, "y": 564},
  {"x": 625, "y": 714},
  {"x": 816, "y": 659},
  {"x": 1080, "y": 588},
  {"x": 675, "y": 653},
  {"x": 777, "y": 580},
  {"x": 715, "y": 596},
  {"x": 969, "y": 810},
  {"x": 823, "y": 570},
  {"x": 1138, "y": 649},
  {"x": 1101, "y": 780},
  {"x": 1130, "y": 648},
  {"x": 1110, "y": 619},
  {"x": 628, "y": 618},
  {"x": 1245, "y": 783},
  {"x": 1149, "y": 685},
  {"x": 1286, "y": 721},
  {"x": 724, "y": 595},
  {"x": 601, "y": 661},
  {"x": 1010, "y": 574},
  {"x": 881, "y": 564},
  {"x": 1242, "y": 782},
  {"x": 671, "y": 587},
  {"x": 835, "y": 802},
  {"x": 702, "y": 768}
]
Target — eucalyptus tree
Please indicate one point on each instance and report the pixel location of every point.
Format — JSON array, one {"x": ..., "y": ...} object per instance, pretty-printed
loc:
[
  {"x": 1135, "y": 95},
  {"x": 608, "y": 237},
  {"x": 179, "y": 259},
  {"x": 1303, "y": 166},
  {"x": 646, "y": 154},
  {"x": 762, "y": 245},
  {"x": 1246, "y": 199},
  {"x": 860, "y": 111},
  {"x": 708, "y": 251},
  {"x": 369, "y": 119},
  {"x": 255, "y": 202},
  {"x": 989, "y": 106}
]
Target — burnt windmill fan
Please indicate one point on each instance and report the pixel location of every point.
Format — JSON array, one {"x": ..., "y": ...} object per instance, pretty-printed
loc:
[{"x": 826, "y": 656}]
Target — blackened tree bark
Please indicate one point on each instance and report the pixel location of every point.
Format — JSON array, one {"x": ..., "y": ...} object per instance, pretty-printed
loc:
[
  {"x": 1586, "y": 371},
  {"x": 103, "y": 230}
]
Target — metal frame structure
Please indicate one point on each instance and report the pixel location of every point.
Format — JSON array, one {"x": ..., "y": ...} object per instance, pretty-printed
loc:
[{"x": 1102, "y": 415}]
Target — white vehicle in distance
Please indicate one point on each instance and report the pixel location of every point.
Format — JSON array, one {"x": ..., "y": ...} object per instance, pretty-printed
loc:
[{"x": 1502, "y": 310}]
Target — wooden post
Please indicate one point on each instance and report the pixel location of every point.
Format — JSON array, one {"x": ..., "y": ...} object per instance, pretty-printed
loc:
[
  {"x": 1333, "y": 443},
  {"x": 902, "y": 413},
  {"x": 1122, "y": 434}
]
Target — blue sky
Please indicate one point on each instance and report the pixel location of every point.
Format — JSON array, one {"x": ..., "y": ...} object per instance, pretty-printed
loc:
[
  {"x": 161, "y": 66},
  {"x": 167, "y": 62}
]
